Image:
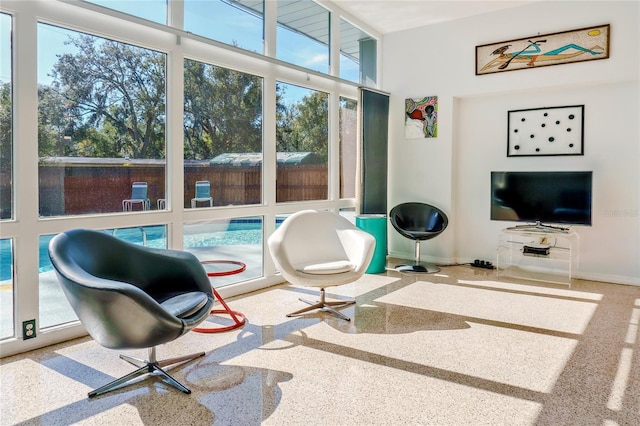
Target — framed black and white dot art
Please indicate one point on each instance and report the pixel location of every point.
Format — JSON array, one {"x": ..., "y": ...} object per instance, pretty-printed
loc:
[{"x": 546, "y": 131}]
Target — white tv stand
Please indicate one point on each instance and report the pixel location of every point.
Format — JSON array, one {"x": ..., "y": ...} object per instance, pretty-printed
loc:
[{"x": 538, "y": 252}]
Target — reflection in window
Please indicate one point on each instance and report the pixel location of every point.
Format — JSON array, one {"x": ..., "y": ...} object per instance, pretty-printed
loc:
[
  {"x": 239, "y": 23},
  {"x": 357, "y": 51},
  {"x": 6, "y": 119},
  {"x": 348, "y": 147},
  {"x": 235, "y": 240},
  {"x": 301, "y": 143},
  {"x": 303, "y": 34},
  {"x": 101, "y": 122},
  {"x": 6, "y": 288},
  {"x": 222, "y": 136},
  {"x": 152, "y": 10},
  {"x": 54, "y": 307}
]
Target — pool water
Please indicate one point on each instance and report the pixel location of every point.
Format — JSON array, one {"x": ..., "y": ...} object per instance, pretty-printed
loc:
[{"x": 237, "y": 233}]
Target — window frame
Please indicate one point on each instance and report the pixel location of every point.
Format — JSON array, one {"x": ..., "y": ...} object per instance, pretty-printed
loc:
[{"x": 26, "y": 227}]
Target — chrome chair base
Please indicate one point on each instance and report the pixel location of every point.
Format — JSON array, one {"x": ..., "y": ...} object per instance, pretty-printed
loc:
[
  {"x": 324, "y": 306},
  {"x": 151, "y": 367},
  {"x": 418, "y": 268}
]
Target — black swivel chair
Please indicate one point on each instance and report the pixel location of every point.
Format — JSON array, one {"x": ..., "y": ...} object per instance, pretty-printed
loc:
[
  {"x": 131, "y": 297},
  {"x": 418, "y": 222}
]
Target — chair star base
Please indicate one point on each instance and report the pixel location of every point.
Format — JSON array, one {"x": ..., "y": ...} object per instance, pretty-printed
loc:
[
  {"x": 151, "y": 367},
  {"x": 418, "y": 268},
  {"x": 324, "y": 306}
]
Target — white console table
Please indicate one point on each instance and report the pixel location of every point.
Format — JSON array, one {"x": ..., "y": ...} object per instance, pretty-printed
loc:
[{"x": 560, "y": 265}]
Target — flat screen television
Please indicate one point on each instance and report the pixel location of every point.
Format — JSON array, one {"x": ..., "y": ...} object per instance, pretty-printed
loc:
[{"x": 542, "y": 198}]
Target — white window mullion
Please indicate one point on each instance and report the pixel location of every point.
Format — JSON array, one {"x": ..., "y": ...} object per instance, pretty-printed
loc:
[
  {"x": 25, "y": 186},
  {"x": 175, "y": 145},
  {"x": 270, "y": 27}
]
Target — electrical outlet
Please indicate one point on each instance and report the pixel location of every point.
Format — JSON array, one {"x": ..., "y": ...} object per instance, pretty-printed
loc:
[{"x": 28, "y": 329}]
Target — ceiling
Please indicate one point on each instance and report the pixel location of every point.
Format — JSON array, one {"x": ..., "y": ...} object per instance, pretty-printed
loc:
[
  {"x": 385, "y": 16},
  {"x": 388, "y": 16}
]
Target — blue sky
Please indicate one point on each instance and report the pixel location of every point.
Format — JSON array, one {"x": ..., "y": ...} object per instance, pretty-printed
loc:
[{"x": 232, "y": 25}]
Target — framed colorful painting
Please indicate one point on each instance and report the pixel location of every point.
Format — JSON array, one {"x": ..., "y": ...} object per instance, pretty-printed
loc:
[
  {"x": 585, "y": 44},
  {"x": 421, "y": 117}
]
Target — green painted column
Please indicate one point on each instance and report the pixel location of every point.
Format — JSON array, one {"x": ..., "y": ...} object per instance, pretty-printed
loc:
[{"x": 376, "y": 225}]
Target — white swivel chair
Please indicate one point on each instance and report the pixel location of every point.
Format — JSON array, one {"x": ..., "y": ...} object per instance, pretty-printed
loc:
[{"x": 321, "y": 249}]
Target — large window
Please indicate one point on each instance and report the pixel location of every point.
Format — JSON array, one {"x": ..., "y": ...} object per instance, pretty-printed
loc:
[
  {"x": 356, "y": 51},
  {"x": 101, "y": 123},
  {"x": 302, "y": 144},
  {"x": 348, "y": 147},
  {"x": 6, "y": 288},
  {"x": 153, "y": 10},
  {"x": 6, "y": 178},
  {"x": 54, "y": 309},
  {"x": 238, "y": 23},
  {"x": 6, "y": 119},
  {"x": 168, "y": 137},
  {"x": 222, "y": 136},
  {"x": 303, "y": 34},
  {"x": 225, "y": 245}
]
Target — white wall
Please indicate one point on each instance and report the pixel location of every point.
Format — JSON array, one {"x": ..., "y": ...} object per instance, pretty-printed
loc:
[{"x": 452, "y": 171}]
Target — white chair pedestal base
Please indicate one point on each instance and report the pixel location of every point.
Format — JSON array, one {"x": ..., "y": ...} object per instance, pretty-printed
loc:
[{"x": 324, "y": 306}]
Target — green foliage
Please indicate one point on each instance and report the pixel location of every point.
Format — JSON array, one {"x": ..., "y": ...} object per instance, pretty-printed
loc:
[
  {"x": 303, "y": 127},
  {"x": 222, "y": 111},
  {"x": 6, "y": 127},
  {"x": 113, "y": 86},
  {"x": 108, "y": 100}
]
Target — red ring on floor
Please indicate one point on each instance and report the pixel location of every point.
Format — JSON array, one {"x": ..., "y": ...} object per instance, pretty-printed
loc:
[
  {"x": 238, "y": 318},
  {"x": 242, "y": 267}
]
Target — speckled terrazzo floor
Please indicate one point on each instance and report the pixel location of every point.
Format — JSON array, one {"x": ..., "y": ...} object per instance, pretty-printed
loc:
[{"x": 461, "y": 347}]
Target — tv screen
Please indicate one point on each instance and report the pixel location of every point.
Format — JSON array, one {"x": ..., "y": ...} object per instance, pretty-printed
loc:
[{"x": 542, "y": 197}]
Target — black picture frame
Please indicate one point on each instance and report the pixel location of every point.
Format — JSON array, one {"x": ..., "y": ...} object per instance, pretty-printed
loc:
[{"x": 546, "y": 131}]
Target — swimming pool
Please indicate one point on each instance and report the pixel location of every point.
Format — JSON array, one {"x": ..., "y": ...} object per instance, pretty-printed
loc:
[{"x": 235, "y": 232}]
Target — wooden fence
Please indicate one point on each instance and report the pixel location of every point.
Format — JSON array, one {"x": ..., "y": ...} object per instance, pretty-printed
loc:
[{"x": 80, "y": 186}]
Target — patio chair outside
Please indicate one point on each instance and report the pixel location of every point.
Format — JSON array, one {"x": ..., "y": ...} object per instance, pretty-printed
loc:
[
  {"x": 138, "y": 196},
  {"x": 203, "y": 194}
]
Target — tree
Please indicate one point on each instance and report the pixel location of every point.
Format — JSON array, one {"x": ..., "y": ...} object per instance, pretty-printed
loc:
[
  {"x": 305, "y": 126},
  {"x": 6, "y": 126},
  {"x": 116, "y": 85},
  {"x": 108, "y": 100},
  {"x": 222, "y": 111}
]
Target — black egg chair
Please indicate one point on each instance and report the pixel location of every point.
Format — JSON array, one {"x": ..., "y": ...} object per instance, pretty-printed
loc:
[
  {"x": 418, "y": 222},
  {"x": 132, "y": 297}
]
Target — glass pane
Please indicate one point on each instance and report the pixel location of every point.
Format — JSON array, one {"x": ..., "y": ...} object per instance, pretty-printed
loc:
[
  {"x": 237, "y": 241},
  {"x": 348, "y": 147},
  {"x": 6, "y": 288},
  {"x": 6, "y": 119},
  {"x": 101, "y": 124},
  {"x": 351, "y": 39},
  {"x": 153, "y": 10},
  {"x": 239, "y": 23},
  {"x": 303, "y": 34},
  {"x": 222, "y": 136},
  {"x": 54, "y": 309},
  {"x": 302, "y": 144}
]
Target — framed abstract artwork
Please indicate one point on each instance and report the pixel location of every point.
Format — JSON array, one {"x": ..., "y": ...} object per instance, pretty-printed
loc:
[
  {"x": 584, "y": 44},
  {"x": 421, "y": 117},
  {"x": 546, "y": 131}
]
